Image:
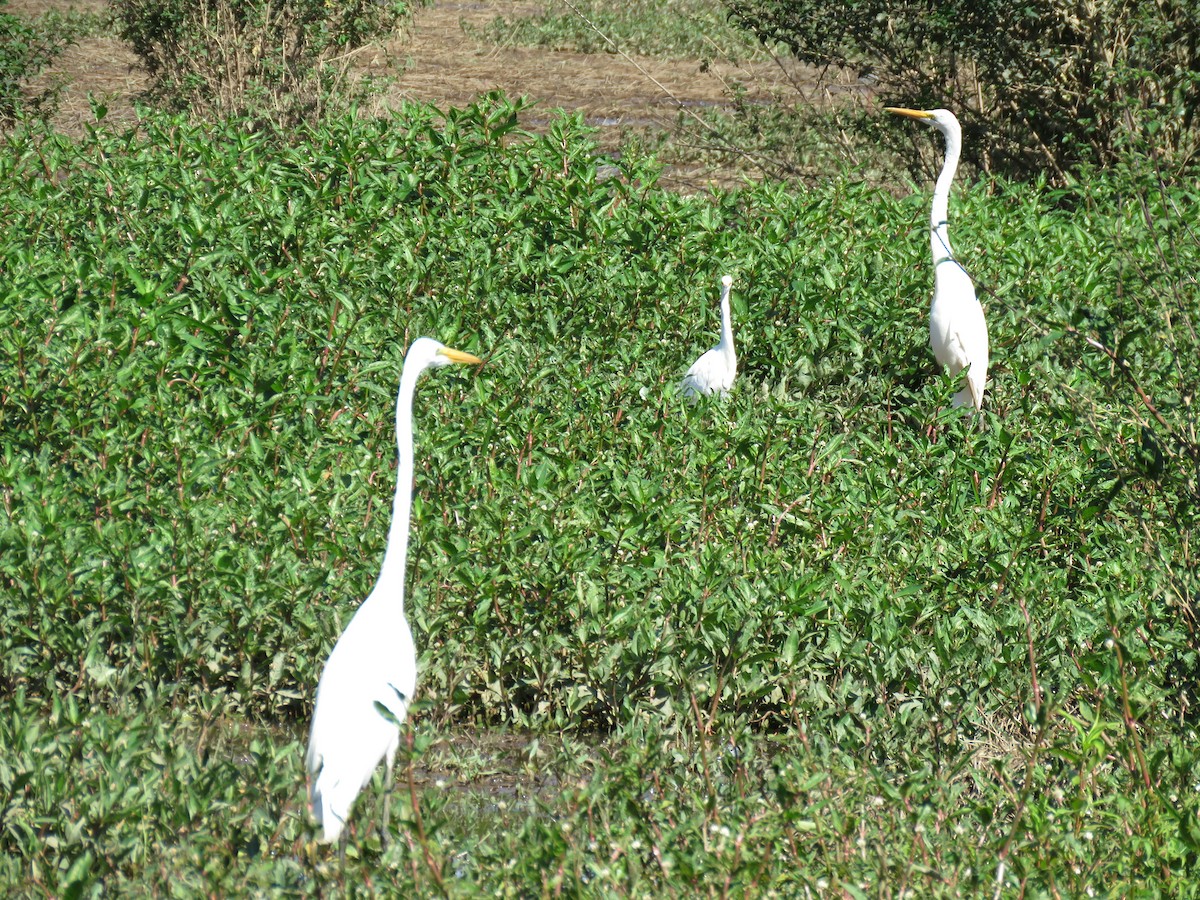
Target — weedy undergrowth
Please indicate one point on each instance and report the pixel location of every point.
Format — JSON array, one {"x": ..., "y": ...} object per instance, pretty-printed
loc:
[{"x": 830, "y": 635}]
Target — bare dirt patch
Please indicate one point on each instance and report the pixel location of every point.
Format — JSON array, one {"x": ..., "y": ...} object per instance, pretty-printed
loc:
[{"x": 445, "y": 66}]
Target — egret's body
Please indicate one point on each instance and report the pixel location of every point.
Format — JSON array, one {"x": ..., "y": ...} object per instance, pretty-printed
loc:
[
  {"x": 373, "y": 666},
  {"x": 715, "y": 370},
  {"x": 957, "y": 329}
]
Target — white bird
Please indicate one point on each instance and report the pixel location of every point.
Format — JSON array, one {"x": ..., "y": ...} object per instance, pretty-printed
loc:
[
  {"x": 370, "y": 676},
  {"x": 715, "y": 370},
  {"x": 957, "y": 329}
]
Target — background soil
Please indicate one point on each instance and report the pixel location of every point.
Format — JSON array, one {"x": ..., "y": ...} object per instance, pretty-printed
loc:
[{"x": 444, "y": 64}]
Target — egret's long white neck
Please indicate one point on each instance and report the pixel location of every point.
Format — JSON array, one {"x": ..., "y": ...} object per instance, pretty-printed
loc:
[
  {"x": 939, "y": 234},
  {"x": 395, "y": 556},
  {"x": 726, "y": 344}
]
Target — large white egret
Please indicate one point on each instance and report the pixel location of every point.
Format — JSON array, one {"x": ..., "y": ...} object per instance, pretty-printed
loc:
[
  {"x": 370, "y": 676},
  {"x": 957, "y": 330},
  {"x": 715, "y": 370}
]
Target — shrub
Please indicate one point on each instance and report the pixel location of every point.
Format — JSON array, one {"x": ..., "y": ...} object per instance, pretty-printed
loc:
[
  {"x": 1047, "y": 85},
  {"x": 284, "y": 62}
]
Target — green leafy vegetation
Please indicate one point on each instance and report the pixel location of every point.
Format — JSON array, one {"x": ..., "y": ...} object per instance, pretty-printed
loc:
[{"x": 827, "y": 636}]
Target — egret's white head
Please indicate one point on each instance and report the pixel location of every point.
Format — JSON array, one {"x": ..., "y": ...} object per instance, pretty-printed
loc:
[
  {"x": 941, "y": 119},
  {"x": 426, "y": 353}
]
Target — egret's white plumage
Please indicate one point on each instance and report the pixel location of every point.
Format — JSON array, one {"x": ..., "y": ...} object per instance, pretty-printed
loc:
[
  {"x": 373, "y": 666},
  {"x": 957, "y": 329},
  {"x": 715, "y": 370}
]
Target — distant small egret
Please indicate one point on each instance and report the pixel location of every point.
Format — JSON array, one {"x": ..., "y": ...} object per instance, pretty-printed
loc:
[
  {"x": 715, "y": 370},
  {"x": 957, "y": 329},
  {"x": 370, "y": 676}
]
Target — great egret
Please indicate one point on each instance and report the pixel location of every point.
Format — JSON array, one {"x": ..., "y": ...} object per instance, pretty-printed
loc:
[
  {"x": 957, "y": 330},
  {"x": 715, "y": 370},
  {"x": 370, "y": 676}
]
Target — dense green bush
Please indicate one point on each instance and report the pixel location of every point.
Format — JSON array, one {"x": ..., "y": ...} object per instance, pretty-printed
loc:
[
  {"x": 828, "y": 635},
  {"x": 285, "y": 62},
  {"x": 1040, "y": 87}
]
